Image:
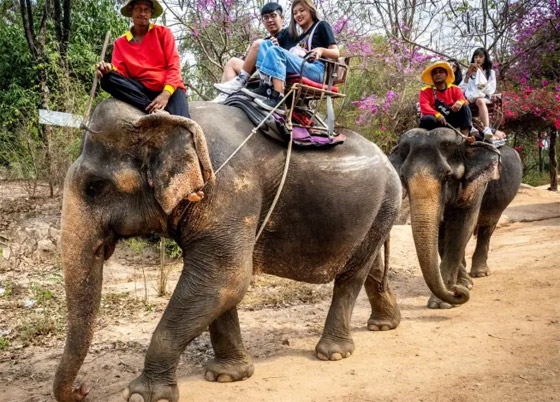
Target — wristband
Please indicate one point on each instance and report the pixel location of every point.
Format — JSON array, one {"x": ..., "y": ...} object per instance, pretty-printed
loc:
[{"x": 169, "y": 89}]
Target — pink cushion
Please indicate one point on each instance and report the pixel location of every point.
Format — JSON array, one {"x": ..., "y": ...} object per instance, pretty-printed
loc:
[{"x": 306, "y": 81}]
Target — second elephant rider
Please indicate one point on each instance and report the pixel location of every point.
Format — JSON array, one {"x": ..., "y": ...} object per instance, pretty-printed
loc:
[
  {"x": 145, "y": 70},
  {"x": 441, "y": 102}
]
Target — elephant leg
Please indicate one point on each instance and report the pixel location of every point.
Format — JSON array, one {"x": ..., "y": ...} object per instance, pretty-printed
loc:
[
  {"x": 456, "y": 233},
  {"x": 232, "y": 362},
  {"x": 209, "y": 287},
  {"x": 385, "y": 313},
  {"x": 336, "y": 342},
  {"x": 463, "y": 278},
  {"x": 479, "y": 266}
]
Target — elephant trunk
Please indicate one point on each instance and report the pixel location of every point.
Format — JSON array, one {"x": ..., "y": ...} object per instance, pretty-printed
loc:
[
  {"x": 82, "y": 258},
  {"x": 425, "y": 212}
]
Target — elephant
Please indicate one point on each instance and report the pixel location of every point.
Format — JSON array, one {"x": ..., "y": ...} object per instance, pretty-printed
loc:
[
  {"x": 455, "y": 188},
  {"x": 139, "y": 174}
]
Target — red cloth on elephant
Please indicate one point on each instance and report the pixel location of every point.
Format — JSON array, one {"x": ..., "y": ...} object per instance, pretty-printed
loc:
[
  {"x": 154, "y": 62},
  {"x": 449, "y": 95}
]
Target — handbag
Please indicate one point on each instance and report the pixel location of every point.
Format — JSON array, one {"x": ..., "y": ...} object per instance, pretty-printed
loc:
[
  {"x": 441, "y": 106},
  {"x": 300, "y": 51}
]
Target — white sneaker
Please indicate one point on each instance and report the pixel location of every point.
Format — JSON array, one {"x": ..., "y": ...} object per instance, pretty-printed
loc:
[
  {"x": 488, "y": 134},
  {"x": 231, "y": 86},
  {"x": 221, "y": 98}
]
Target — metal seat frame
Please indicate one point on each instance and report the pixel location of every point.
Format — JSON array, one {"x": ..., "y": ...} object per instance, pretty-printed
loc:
[
  {"x": 303, "y": 95},
  {"x": 495, "y": 113}
]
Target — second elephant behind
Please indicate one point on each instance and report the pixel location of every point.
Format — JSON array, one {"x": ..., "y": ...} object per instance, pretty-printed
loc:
[{"x": 454, "y": 187}]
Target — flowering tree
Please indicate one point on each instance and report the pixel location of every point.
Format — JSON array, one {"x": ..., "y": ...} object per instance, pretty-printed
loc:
[
  {"x": 209, "y": 33},
  {"x": 535, "y": 51},
  {"x": 533, "y": 76},
  {"x": 386, "y": 82},
  {"x": 533, "y": 109}
]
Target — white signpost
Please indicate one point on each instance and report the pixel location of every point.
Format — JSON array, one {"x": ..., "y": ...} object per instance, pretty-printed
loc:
[{"x": 52, "y": 118}]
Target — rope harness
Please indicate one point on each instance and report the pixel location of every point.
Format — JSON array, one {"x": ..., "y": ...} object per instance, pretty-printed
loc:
[
  {"x": 181, "y": 209},
  {"x": 490, "y": 147}
]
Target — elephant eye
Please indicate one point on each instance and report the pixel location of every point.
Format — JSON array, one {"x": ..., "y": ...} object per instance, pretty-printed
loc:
[
  {"x": 95, "y": 188},
  {"x": 404, "y": 149}
]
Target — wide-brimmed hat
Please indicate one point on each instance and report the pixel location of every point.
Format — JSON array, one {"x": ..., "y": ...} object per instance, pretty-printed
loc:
[
  {"x": 155, "y": 5},
  {"x": 427, "y": 74}
]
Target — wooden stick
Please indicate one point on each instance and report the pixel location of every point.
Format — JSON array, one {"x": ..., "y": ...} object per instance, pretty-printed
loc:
[{"x": 95, "y": 79}]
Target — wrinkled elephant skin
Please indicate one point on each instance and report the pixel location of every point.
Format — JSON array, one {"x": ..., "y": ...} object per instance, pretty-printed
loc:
[{"x": 134, "y": 177}]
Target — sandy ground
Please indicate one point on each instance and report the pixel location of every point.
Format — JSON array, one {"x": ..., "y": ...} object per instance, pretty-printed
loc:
[{"x": 503, "y": 345}]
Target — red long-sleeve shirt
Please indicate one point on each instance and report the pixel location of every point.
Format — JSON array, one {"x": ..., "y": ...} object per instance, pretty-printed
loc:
[
  {"x": 449, "y": 95},
  {"x": 154, "y": 62}
]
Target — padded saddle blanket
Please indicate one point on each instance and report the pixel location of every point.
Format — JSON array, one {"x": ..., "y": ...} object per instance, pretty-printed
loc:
[{"x": 275, "y": 126}]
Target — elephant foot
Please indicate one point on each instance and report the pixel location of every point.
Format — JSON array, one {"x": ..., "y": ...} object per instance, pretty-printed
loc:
[
  {"x": 331, "y": 348},
  {"x": 435, "y": 303},
  {"x": 143, "y": 389},
  {"x": 229, "y": 370},
  {"x": 385, "y": 313},
  {"x": 479, "y": 271},
  {"x": 465, "y": 281}
]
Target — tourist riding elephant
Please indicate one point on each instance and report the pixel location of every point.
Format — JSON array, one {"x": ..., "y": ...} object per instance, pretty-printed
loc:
[
  {"x": 135, "y": 175},
  {"x": 454, "y": 187}
]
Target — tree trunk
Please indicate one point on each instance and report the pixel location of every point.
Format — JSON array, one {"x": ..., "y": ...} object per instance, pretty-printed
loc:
[
  {"x": 36, "y": 44},
  {"x": 553, "y": 161}
]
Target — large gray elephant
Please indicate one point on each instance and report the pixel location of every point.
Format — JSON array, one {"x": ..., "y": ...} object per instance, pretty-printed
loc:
[
  {"x": 132, "y": 178},
  {"x": 455, "y": 187}
]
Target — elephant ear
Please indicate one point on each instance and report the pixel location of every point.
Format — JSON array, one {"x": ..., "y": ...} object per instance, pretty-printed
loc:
[
  {"x": 177, "y": 157},
  {"x": 398, "y": 154},
  {"x": 482, "y": 165}
]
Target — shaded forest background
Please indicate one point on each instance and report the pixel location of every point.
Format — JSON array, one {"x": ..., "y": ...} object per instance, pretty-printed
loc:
[{"x": 48, "y": 49}]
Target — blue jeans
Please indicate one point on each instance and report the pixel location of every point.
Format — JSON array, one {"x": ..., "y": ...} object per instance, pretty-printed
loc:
[{"x": 277, "y": 62}]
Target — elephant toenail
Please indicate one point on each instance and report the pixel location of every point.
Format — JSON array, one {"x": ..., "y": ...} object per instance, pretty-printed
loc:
[
  {"x": 322, "y": 356},
  {"x": 225, "y": 378},
  {"x": 336, "y": 357},
  {"x": 136, "y": 398},
  {"x": 126, "y": 394},
  {"x": 373, "y": 327},
  {"x": 385, "y": 328},
  {"x": 210, "y": 376},
  {"x": 347, "y": 354}
]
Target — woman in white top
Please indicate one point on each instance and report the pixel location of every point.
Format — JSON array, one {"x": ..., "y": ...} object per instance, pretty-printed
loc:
[{"x": 479, "y": 84}]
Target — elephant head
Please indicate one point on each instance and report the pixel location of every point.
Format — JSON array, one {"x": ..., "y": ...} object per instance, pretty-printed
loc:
[
  {"x": 133, "y": 171},
  {"x": 441, "y": 171}
]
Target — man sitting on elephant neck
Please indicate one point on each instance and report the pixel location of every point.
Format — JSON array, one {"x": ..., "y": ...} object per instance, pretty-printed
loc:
[
  {"x": 441, "y": 102},
  {"x": 145, "y": 70}
]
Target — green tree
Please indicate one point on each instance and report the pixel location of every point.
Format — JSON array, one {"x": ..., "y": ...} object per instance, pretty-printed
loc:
[{"x": 47, "y": 55}]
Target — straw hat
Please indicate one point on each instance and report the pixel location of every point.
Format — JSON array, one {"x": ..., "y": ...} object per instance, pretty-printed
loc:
[
  {"x": 427, "y": 74},
  {"x": 157, "y": 9}
]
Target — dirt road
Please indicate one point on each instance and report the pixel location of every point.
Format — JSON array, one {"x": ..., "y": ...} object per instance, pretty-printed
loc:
[{"x": 503, "y": 345}]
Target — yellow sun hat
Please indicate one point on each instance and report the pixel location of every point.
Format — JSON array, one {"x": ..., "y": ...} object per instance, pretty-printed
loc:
[
  {"x": 157, "y": 9},
  {"x": 427, "y": 74}
]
